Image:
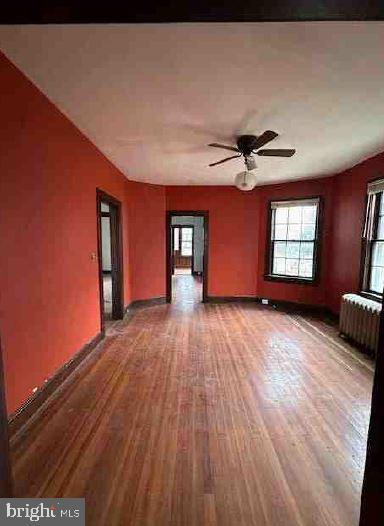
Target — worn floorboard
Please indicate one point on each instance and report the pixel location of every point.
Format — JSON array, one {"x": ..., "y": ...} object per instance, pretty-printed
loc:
[{"x": 216, "y": 415}]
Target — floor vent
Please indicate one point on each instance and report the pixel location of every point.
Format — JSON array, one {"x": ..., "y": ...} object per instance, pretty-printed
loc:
[{"x": 359, "y": 320}]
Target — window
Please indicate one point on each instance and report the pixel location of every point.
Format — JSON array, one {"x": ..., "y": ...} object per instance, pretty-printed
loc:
[
  {"x": 186, "y": 241},
  {"x": 176, "y": 237},
  {"x": 293, "y": 246},
  {"x": 373, "y": 241},
  {"x": 183, "y": 240}
]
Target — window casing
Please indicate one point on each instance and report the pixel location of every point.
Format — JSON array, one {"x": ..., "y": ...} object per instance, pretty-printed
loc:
[
  {"x": 293, "y": 240},
  {"x": 373, "y": 242}
]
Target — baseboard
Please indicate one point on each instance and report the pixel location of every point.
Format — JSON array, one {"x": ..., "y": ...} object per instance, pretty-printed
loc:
[
  {"x": 232, "y": 299},
  {"x": 18, "y": 419},
  {"x": 286, "y": 306},
  {"x": 160, "y": 300},
  {"x": 293, "y": 306}
]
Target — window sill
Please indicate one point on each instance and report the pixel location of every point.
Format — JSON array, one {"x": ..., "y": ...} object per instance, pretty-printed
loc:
[
  {"x": 290, "y": 279},
  {"x": 371, "y": 296}
]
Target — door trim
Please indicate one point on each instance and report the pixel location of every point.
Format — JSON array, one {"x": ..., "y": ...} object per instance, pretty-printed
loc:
[
  {"x": 5, "y": 463},
  {"x": 168, "y": 248},
  {"x": 116, "y": 256}
]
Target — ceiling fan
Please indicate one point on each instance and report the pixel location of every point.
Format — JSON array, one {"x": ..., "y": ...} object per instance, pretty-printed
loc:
[{"x": 251, "y": 144}]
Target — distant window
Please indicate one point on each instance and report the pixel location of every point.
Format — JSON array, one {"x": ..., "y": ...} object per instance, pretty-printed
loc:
[
  {"x": 176, "y": 238},
  {"x": 293, "y": 239},
  {"x": 373, "y": 241},
  {"x": 186, "y": 241}
]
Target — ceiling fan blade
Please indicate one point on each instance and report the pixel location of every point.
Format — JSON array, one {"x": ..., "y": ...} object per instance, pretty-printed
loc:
[
  {"x": 276, "y": 153},
  {"x": 226, "y": 159},
  {"x": 217, "y": 145},
  {"x": 264, "y": 138}
]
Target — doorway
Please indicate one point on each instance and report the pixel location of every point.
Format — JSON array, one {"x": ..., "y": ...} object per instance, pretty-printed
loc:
[
  {"x": 110, "y": 257},
  {"x": 183, "y": 237},
  {"x": 187, "y": 255}
]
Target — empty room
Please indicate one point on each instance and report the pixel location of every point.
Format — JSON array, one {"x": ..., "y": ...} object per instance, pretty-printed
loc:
[{"x": 192, "y": 267}]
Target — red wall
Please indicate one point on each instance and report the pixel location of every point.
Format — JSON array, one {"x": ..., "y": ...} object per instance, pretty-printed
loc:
[
  {"x": 147, "y": 240},
  {"x": 237, "y": 237},
  {"x": 49, "y": 296},
  {"x": 233, "y": 235},
  {"x": 350, "y": 190}
]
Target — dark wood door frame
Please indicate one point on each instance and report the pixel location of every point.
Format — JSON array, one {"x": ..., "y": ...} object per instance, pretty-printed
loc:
[
  {"x": 116, "y": 255},
  {"x": 5, "y": 465},
  {"x": 169, "y": 246},
  {"x": 181, "y": 239}
]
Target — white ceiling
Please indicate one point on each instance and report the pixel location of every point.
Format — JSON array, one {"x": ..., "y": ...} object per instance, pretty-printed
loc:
[{"x": 152, "y": 96}]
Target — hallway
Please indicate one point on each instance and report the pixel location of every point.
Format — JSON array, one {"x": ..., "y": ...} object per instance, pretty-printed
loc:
[
  {"x": 186, "y": 289},
  {"x": 197, "y": 414}
]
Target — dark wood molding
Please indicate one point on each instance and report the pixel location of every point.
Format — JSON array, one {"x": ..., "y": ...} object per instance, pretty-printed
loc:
[
  {"x": 117, "y": 270},
  {"x": 75, "y": 12},
  {"x": 168, "y": 248},
  {"x": 305, "y": 308},
  {"x": 19, "y": 418},
  {"x": 268, "y": 276},
  {"x": 372, "y": 495},
  {"x": 233, "y": 299},
  {"x": 5, "y": 464},
  {"x": 290, "y": 279},
  {"x": 286, "y": 306}
]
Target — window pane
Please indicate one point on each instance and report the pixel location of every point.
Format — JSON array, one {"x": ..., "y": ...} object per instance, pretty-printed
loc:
[
  {"x": 295, "y": 214},
  {"x": 293, "y": 249},
  {"x": 306, "y": 268},
  {"x": 380, "y": 227},
  {"x": 175, "y": 239},
  {"x": 281, "y": 232},
  {"x": 306, "y": 250},
  {"x": 186, "y": 248},
  {"x": 378, "y": 254},
  {"x": 294, "y": 231},
  {"x": 278, "y": 266},
  {"x": 187, "y": 234},
  {"x": 292, "y": 267},
  {"x": 309, "y": 214},
  {"x": 281, "y": 215},
  {"x": 308, "y": 231},
  {"x": 377, "y": 279},
  {"x": 279, "y": 249},
  {"x": 381, "y": 204}
]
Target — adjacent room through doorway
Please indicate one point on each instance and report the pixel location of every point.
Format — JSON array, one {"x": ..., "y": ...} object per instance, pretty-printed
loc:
[
  {"x": 186, "y": 256},
  {"x": 110, "y": 258},
  {"x": 106, "y": 260}
]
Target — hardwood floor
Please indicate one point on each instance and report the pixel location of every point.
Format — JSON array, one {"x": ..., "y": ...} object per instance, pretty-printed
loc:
[{"x": 216, "y": 415}]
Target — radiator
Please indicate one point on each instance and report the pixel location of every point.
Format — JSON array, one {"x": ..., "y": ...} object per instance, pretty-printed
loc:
[{"x": 359, "y": 320}]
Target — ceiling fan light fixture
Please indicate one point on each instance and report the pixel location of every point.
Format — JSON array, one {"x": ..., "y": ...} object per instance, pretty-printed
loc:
[
  {"x": 250, "y": 162},
  {"x": 245, "y": 181}
]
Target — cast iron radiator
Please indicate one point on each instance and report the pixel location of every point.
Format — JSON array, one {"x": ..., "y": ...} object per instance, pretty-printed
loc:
[{"x": 359, "y": 320}]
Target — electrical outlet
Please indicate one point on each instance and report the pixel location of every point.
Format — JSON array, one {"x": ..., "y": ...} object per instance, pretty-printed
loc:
[{"x": 265, "y": 301}]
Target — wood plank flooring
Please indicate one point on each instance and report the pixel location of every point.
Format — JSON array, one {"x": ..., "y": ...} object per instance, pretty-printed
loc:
[{"x": 216, "y": 415}]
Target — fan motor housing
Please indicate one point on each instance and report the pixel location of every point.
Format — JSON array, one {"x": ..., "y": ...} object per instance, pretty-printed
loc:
[{"x": 246, "y": 143}]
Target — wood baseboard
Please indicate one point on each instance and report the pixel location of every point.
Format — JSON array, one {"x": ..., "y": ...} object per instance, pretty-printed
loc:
[
  {"x": 232, "y": 299},
  {"x": 19, "y": 418}
]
